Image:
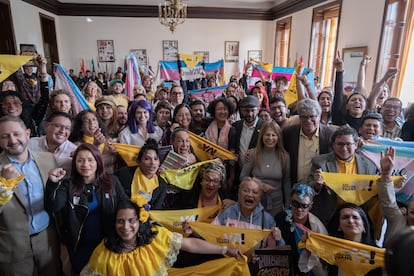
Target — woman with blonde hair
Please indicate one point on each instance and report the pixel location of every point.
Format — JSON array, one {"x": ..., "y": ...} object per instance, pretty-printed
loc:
[
  {"x": 91, "y": 91},
  {"x": 271, "y": 164}
]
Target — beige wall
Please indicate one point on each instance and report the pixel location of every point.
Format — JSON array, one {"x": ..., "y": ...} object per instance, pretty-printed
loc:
[{"x": 77, "y": 38}]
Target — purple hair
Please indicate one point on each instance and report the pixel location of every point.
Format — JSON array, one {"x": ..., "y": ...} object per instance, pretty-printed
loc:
[{"x": 132, "y": 122}]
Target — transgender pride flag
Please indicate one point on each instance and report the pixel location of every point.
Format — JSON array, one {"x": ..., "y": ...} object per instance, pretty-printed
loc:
[
  {"x": 169, "y": 70},
  {"x": 286, "y": 72},
  {"x": 133, "y": 77},
  {"x": 403, "y": 165},
  {"x": 64, "y": 82},
  {"x": 207, "y": 95},
  {"x": 212, "y": 67}
]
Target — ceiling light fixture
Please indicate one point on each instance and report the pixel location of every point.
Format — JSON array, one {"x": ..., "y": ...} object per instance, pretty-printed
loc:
[{"x": 171, "y": 13}]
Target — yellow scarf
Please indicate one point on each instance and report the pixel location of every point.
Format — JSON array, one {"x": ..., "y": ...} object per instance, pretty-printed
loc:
[
  {"x": 143, "y": 186},
  {"x": 352, "y": 258},
  {"x": 91, "y": 140}
]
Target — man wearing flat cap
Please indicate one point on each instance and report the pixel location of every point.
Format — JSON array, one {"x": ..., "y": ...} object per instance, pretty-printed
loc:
[
  {"x": 117, "y": 93},
  {"x": 244, "y": 133}
]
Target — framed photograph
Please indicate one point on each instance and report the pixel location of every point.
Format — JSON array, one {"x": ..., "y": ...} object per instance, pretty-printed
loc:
[
  {"x": 170, "y": 50},
  {"x": 28, "y": 50},
  {"x": 352, "y": 58},
  {"x": 231, "y": 51},
  {"x": 254, "y": 55},
  {"x": 141, "y": 55},
  {"x": 205, "y": 54},
  {"x": 106, "y": 51}
]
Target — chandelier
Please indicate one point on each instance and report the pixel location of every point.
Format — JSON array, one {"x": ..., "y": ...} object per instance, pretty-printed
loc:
[{"x": 171, "y": 13}]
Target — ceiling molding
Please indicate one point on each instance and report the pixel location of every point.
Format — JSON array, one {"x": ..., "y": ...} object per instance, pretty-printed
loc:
[{"x": 74, "y": 9}]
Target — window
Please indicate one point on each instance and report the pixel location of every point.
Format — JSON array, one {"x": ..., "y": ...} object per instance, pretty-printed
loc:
[
  {"x": 323, "y": 41},
  {"x": 394, "y": 31},
  {"x": 282, "y": 42}
]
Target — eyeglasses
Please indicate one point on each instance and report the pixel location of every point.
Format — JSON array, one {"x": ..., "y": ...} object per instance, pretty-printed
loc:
[
  {"x": 341, "y": 144},
  {"x": 297, "y": 204},
  {"x": 60, "y": 126},
  {"x": 390, "y": 106},
  {"x": 212, "y": 181},
  {"x": 307, "y": 117}
]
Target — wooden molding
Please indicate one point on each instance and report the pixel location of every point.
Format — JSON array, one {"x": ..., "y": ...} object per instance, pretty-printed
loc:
[{"x": 74, "y": 9}]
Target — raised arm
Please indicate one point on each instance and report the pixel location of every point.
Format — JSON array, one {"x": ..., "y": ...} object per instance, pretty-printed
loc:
[
  {"x": 338, "y": 102},
  {"x": 361, "y": 75},
  {"x": 378, "y": 87}
]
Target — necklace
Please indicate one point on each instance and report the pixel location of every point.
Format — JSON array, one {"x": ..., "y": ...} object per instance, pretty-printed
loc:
[{"x": 128, "y": 247}]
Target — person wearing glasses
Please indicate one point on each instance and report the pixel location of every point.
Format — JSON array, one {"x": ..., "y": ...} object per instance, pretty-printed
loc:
[
  {"x": 343, "y": 159},
  {"x": 58, "y": 127},
  {"x": 294, "y": 222},
  {"x": 176, "y": 95},
  {"x": 391, "y": 110},
  {"x": 306, "y": 140},
  {"x": 280, "y": 113}
]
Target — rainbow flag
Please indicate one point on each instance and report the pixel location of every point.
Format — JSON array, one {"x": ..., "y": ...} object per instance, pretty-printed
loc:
[
  {"x": 133, "y": 77},
  {"x": 169, "y": 70},
  {"x": 403, "y": 165},
  {"x": 209, "y": 94},
  {"x": 64, "y": 82}
]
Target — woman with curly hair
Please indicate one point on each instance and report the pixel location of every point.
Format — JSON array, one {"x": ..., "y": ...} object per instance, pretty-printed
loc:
[
  {"x": 139, "y": 247},
  {"x": 91, "y": 92}
]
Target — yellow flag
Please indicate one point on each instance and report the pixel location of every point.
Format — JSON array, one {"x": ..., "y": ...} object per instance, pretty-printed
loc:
[
  {"x": 291, "y": 94},
  {"x": 357, "y": 189},
  {"x": 223, "y": 266},
  {"x": 6, "y": 185},
  {"x": 172, "y": 219},
  {"x": 184, "y": 178},
  {"x": 10, "y": 64},
  {"x": 207, "y": 150},
  {"x": 129, "y": 153},
  {"x": 191, "y": 60},
  {"x": 352, "y": 258},
  {"x": 233, "y": 237}
]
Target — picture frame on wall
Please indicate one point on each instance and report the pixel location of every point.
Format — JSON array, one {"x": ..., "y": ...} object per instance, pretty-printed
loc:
[
  {"x": 28, "y": 50},
  {"x": 205, "y": 54},
  {"x": 106, "y": 51},
  {"x": 231, "y": 51},
  {"x": 170, "y": 50},
  {"x": 254, "y": 55},
  {"x": 141, "y": 55}
]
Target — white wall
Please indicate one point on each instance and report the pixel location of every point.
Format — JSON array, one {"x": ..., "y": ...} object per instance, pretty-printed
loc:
[
  {"x": 77, "y": 38},
  {"x": 26, "y": 24}
]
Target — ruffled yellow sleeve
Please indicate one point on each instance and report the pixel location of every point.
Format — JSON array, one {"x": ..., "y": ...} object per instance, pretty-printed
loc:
[{"x": 152, "y": 259}]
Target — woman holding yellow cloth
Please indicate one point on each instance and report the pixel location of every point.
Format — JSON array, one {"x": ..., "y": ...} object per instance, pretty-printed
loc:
[
  {"x": 143, "y": 179},
  {"x": 138, "y": 247}
]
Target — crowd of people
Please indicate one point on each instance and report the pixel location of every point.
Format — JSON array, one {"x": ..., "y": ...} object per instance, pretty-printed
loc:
[{"x": 69, "y": 203}]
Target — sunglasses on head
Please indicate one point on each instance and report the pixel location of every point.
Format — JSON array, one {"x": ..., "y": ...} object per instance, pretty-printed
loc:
[{"x": 297, "y": 204}]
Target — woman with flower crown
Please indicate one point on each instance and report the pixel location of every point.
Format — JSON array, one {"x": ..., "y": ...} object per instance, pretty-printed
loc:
[
  {"x": 138, "y": 246},
  {"x": 84, "y": 204}
]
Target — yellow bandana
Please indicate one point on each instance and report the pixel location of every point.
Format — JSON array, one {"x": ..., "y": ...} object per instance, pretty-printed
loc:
[
  {"x": 90, "y": 140},
  {"x": 352, "y": 258},
  {"x": 143, "y": 186}
]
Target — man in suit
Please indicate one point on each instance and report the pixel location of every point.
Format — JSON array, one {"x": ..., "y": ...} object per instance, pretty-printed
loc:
[
  {"x": 343, "y": 159},
  {"x": 28, "y": 240},
  {"x": 306, "y": 140},
  {"x": 243, "y": 135}
]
